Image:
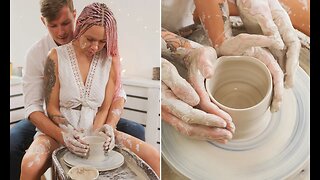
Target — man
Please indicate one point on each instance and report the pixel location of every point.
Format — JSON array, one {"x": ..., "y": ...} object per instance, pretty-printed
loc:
[{"x": 58, "y": 16}]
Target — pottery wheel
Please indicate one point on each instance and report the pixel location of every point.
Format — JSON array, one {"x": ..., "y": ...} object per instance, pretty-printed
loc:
[
  {"x": 112, "y": 161},
  {"x": 279, "y": 152}
]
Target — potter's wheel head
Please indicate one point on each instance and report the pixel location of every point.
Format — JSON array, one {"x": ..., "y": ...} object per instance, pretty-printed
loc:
[{"x": 279, "y": 152}]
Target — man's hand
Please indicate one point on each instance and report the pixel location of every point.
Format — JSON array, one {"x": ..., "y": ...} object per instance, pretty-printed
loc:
[
  {"x": 248, "y": 45},
  {"x": 72, "y": 140},
  {"x": 277, "y": 46},
  {"x": 107, "y": 132},
  {"x": 179, "y": 97},
  {"x": 270, "y": 17}
]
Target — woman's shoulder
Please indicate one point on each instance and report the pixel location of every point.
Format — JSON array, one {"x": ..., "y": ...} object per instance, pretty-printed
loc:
[{"x": 64, "y": 50}]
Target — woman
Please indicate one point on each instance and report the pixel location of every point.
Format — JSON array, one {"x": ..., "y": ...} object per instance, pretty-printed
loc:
[{"x": 82, "y": 84}]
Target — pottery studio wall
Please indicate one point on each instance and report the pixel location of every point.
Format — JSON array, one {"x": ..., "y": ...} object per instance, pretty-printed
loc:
[{"x": 138, "y": 32}]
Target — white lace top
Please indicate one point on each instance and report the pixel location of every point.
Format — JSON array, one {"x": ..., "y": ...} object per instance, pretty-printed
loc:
[{"x": 72, "y": 90}]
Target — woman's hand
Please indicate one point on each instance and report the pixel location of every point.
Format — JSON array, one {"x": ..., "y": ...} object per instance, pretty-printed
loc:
[
  {"x": 72, "y": 140},
  {"x": 207, "y": 122},
  {"x": 107, "y": 132}
]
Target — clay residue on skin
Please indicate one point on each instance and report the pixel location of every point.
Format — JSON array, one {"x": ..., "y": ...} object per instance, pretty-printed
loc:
[
  {"x": 225, "y": 17},
  {"x": 138, "y": 147},
  {"x": 203, "y": 16},
  {"x": 116, "y": 112},
  {"x": 37, "y": 151},
  {"x": 209, "y": 39},
  {"x": 224, "y": 12},
  {"x": 129, "y": 142},
  {"x": 304, "y": 4},
  {"x": 122, "y": 139},
  {"x": 186, "y": 128}
]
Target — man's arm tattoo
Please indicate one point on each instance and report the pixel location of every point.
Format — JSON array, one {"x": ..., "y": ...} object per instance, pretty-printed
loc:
[
  {"x": 174, "y": 41},
  {"x": 49, "y": 79},
  {"x": 58, "y": 119}
]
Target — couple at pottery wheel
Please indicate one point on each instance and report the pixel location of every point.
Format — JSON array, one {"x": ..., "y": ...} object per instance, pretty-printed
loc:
[{"x": 82, "y": 89}]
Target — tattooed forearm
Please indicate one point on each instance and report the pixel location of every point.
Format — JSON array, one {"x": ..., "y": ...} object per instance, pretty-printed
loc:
[
  {"x": 49, "y": 79},
  {"x": 174, "y": 41},
  {"x": 58, "y": 119},
  {"x": 174, "y": 47}
]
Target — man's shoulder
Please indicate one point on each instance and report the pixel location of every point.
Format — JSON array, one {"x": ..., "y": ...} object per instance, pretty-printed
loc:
[{"x": 41, "y": 47}]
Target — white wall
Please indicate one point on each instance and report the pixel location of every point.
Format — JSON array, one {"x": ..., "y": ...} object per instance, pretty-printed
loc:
[{"x": 138, "y": 31}]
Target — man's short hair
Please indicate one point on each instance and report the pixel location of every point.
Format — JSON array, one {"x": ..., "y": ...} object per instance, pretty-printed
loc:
[{"x": 51, "y": 8}]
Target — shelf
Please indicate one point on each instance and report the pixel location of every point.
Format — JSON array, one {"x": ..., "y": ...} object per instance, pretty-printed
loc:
[
  {"x": 15, "y": 80},
  {"x": 138, "y": 81}
]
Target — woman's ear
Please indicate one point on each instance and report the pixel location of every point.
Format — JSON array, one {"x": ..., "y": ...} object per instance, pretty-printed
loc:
[{"x": 74, "y": 13}]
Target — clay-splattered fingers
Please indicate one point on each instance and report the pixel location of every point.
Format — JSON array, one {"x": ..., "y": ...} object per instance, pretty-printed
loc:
[
  {"x": 291, "y": 41},
  {"x": 277, "y": 75},
  {"x": 179, "y": 86},
  {"x": 187, "y": 113},
  {"x": 200, "y": 60},
  {"x": 196, "y": 131},
  {"x": 238, "y": 44},
  {"x": 259, "y": 12},
  {"x": 201, "y": 66}
]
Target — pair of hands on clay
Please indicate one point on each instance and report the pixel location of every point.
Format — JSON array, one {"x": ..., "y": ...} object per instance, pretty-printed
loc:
[
  {"x": 73, "y": 139},
  {"x": 185, "y": 103},
  {"x": 274, "y": 42},
  {"x": 180, "y": 96}
]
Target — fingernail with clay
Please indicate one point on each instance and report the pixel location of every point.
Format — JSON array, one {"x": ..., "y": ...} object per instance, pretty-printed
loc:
[
  {"x": 207, "y": 72},
  {"x": 222, "y": 123},
  {"x": 222, "y": 141},
  {"x": 231, "y": 127},
  {"x": 225, "y": 133},
  {"x": 275, "y": 106}
]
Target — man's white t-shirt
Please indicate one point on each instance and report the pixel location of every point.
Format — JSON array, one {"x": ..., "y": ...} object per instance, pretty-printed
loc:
[{"x": 34, "y": 73}]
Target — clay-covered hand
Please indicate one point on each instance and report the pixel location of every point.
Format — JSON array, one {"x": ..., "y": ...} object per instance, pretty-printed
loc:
[
  {"x": 248, "y": 45},
  {"x": 269, "y": 18},
  {"x": 72, "y": 140},
  {"x": 199, "y": 65},
  {"x": 107, "y": 132},
  {"x": 179, "y": 97}
]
